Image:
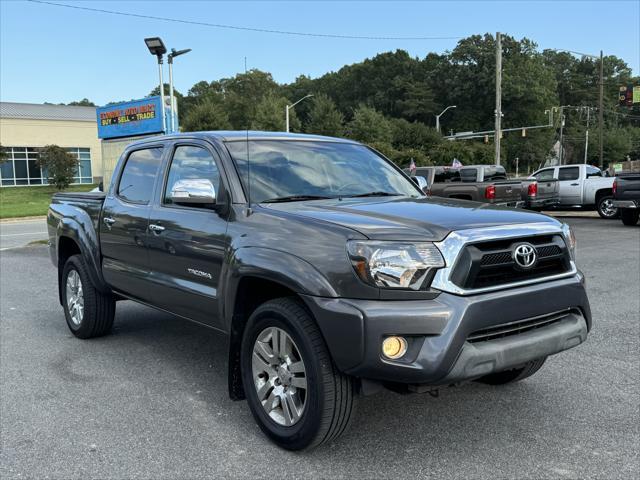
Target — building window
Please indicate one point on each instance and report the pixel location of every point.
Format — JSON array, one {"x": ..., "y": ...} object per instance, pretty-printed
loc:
[{"x": 21, "y": 167}]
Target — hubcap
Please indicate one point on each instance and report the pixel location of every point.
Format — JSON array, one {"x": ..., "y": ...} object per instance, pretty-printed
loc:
[
  {"x": 279, "y": 376},
  {"x": 75, "y": 297},
  {"x": 608, "y": 209}
]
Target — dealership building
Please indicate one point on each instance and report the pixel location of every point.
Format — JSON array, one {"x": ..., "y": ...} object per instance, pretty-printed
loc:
[{"x": 26, "y": 127}]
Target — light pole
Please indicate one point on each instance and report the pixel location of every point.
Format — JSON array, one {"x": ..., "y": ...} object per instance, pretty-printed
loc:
[
  {"x": 442, "y": 113},
  {"x": 600, "y": 94},
  {"x": 174, "y": 53},
  {"x": 157, "y": 48},
  {"x": 286, "y": 110}
]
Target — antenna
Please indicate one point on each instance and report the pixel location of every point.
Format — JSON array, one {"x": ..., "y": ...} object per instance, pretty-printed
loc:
[{"x": 249, "y": 211}]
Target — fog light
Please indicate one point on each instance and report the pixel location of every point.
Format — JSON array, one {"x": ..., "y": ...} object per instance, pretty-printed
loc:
[{"x": 394, "y": 347}]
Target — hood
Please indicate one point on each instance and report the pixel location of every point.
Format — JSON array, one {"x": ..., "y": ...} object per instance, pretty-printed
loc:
[{"x": 409, "y": 219}]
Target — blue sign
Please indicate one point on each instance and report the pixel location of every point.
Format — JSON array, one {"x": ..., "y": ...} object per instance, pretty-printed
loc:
[{"x": 127, "y": 119}]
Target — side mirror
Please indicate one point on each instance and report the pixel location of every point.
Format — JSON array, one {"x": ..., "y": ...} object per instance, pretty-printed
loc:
[
  {"x": 194, "y": 191},
  {"x": 421, "y": 182}
]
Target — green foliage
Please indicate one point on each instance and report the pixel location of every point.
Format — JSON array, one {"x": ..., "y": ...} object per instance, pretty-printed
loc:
[
  {"x": 59, "y": 164},
  {"x": 270, "y": 115},
  {"x": 208, "y": 115},
  {"x": 324, "y": 117},
  {"x": 3, "y": 154},
  {"x": 85, "y": 102},
  {"x": 369, "y": 126},
  {"x": 391, "y": 100}
]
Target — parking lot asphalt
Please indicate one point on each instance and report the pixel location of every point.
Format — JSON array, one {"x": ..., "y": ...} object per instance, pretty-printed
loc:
[{"x": 150, "y": 400}]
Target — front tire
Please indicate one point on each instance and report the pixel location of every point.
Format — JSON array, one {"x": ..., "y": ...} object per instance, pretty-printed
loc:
[
  {"x": 514, "y": 375},
  {"x": 605, "y": 207},
  {"x": 89, "y": 312},
  {"x": 295, "y": 393},
  {"x": 629, "y": 216}
]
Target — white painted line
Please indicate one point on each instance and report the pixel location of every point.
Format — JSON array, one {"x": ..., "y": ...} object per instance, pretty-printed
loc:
[{"x": 19, "y": 234}]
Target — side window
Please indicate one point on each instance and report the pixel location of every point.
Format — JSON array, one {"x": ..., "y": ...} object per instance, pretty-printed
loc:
[
  {"x": 569, "y": 173},
  {"x": 593, "y": 172},
  {"x": 468, "y": 175},
  {"x": 139, "y": 174},
  {"x": 191, "y": 162},
  {"x": 494, "y": 173},
  {"x": 545, "y": 174}
]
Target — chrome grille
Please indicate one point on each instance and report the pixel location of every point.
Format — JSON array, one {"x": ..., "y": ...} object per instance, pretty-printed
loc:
[{"x": 491, "y": 263}]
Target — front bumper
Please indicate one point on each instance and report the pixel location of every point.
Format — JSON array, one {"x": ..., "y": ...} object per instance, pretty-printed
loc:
[
  {"x": 437, "y": 330},
  {"x": 626, "y": 203}
]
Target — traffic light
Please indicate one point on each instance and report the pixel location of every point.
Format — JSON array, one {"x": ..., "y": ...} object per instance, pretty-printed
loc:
[
  {"x": 524, "y": 132},
  {"x": 486, "y": 139}
]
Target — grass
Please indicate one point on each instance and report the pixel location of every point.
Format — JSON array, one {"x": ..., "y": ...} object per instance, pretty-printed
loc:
[{"x": 31, "y": 201}]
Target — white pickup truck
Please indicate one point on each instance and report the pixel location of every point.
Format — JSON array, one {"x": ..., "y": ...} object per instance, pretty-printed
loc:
[{"x": 582, "y": 186}]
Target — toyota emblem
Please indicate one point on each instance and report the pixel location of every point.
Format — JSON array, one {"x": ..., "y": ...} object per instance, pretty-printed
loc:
[{"x": 525, "y": 255}]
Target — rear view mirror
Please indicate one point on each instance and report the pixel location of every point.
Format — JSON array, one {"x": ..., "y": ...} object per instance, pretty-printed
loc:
[{"x": 193, "y": 191}]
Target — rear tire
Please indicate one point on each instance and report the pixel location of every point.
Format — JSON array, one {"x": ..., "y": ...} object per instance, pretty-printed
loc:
[
  {"x": 605, "y": 207},
  {"x": 514, "y": 375},
  {"x": 629, "y": 216},
  {"x": 325, "y": 410},
  {"x": 89, "y": 312}
]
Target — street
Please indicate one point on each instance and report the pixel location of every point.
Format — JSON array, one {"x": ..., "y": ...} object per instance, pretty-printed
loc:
[
  {"x": 20, "y": 232},
  {"x": 150, "y": 400}
]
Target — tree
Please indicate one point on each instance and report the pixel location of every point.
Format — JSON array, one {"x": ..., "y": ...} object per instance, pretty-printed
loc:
[
  {"x": 270, "y": 115},
  {"x": 3, "y": 154},
  {"x": 85, "y": 102},
  {"x": 207, "y": 115},
  {"x": 324, "y": 117},
  {"x": 369, "y": 126},
  {"x": 60, "y": 166}
]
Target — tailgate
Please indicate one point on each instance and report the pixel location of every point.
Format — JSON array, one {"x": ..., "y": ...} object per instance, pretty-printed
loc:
[
  {"x": 628, "y": 187},
  {"x": 508, "y": 191},
  {"x": 548, "y": 189}
]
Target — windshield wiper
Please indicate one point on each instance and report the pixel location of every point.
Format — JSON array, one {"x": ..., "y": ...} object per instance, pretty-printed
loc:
[
  {"x": 296, "y": 198},
  {"x": 374, "y": 194}
]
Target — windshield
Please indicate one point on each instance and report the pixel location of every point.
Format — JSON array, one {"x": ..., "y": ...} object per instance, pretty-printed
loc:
[{"x": 302, "y": 170}]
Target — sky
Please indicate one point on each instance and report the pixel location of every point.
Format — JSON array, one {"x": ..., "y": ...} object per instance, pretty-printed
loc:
[{"x": 55, "y": 54}]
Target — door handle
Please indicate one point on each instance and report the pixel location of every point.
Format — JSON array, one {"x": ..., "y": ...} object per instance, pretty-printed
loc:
[
  {"x": 108, "y": 221},
  {"x": 575, "y": 184},
  {"x": 156, "y": 228}
]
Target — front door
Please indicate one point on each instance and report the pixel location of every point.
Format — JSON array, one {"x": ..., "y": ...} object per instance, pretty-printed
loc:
[
  {"x": 123, "y": 224},
  {"x": 187, "y": 243},
  {"x": 570, "y": 187}
]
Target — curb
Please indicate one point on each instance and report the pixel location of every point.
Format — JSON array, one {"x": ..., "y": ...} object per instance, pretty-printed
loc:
[{"x": 23, "y": 219}]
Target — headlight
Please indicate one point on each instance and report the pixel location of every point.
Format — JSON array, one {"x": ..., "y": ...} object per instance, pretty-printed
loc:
[
  {"x": 570, "y": 238},
  {"x": 394, "y": 264}
]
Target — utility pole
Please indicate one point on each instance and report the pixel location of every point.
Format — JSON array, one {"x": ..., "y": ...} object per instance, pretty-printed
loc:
[
  {"x": 586, "y": 136},
  {"x": 561, "y": 149},
  {"x": 600, "y": 108},
  {"x": 498, "y": 95}
]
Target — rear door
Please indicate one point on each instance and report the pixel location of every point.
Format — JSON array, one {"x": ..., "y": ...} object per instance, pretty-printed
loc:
[
  {"x": 570, "y": 186},
  {"x": 547, "y": 183},
  {"x": 187, "y": 244},
  {"x": 123, "y": 223}
]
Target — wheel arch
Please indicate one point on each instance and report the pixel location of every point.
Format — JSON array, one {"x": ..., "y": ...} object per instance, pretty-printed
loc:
[{"x": 251, "y": 292}]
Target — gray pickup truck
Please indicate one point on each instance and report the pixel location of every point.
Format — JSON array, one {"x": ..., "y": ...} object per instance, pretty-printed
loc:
[
  {"x": 540, "y": 193},
  {"x": 325, "y": 266},
  {"x": 626, "y": 196},
  {"x": 480, "y": 183}
]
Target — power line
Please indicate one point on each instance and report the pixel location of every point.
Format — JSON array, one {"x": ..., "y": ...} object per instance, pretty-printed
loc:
[{"x": 236, "y": 27}]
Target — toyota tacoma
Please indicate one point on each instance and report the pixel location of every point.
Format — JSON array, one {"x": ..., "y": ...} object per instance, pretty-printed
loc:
[{"x": 328, "y": 269}]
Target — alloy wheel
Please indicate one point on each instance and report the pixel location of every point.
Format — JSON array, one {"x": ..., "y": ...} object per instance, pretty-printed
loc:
[
  {"x": 75, "y": 297},
  {"x": 279, "y": 376}
]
